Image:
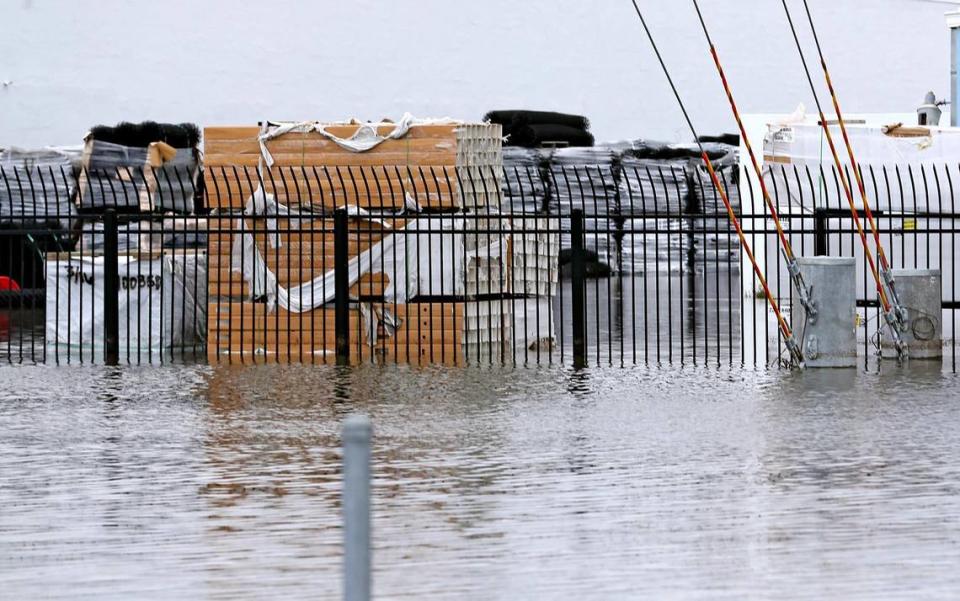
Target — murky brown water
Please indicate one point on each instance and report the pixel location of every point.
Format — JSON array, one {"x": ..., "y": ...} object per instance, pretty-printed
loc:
[{"x": 194, "y": 482}]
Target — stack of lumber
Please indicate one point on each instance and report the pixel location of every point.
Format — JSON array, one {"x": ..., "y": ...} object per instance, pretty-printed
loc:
[
  {"x": 296, "y": 251},
  {"x": 473, "y": 268},
  {"x": 423, "y": 333},
  {"x": 449, "y": 166}
]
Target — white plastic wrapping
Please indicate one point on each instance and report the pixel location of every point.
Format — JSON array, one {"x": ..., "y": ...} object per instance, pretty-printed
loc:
[
  {"x": 410, "y": 258},
  {"x": 162, "y": 305},
  {"x": 364, "y": 139}
]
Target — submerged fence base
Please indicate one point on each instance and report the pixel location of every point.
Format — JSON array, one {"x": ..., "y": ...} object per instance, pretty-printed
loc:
[{"x": 630, "y": 262}]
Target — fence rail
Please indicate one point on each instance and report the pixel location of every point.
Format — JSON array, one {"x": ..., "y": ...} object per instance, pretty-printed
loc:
[{"x": 628, "y": 262}]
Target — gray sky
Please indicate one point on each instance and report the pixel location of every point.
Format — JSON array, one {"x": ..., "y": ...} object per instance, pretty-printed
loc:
[{"x": 76, "y": 64}]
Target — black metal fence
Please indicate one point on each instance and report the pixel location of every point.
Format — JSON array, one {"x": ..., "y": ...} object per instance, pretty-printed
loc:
[{"x": 624, "y": 263}]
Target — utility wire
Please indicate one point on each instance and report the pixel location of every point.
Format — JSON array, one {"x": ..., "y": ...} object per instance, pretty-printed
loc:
[
  {"x": 892, "y": 310},
  {"x": 795, "y": 352}
]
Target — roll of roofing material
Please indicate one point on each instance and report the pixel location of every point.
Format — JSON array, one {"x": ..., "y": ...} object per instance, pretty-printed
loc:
[
  {"x": 532, "y": 136},
  {"x": 511, "y": 120},
  {"x": 141, "y": 135}
]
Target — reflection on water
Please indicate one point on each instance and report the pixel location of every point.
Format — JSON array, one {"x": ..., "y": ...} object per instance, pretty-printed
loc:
[{"x": 223, "y": 483}]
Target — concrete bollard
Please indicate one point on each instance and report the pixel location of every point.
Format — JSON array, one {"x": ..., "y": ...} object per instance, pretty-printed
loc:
[
  {"x": 830, "y": 338},
  {"x": 356, "y": 508},
  {"x": 920, "y": 293}
]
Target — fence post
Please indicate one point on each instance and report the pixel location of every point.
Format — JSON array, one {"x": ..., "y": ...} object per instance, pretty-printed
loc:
[
  {"x": 356, "y": 508},
  {"x": 111, "y": 290},
  {"x": 341, "y": 260},
  {"x": 820, "y": 247},
  {"x": 579, "y": 287}
]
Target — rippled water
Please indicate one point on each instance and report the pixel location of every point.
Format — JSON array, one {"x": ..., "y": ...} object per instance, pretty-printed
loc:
[{"x": 196, "y": 482}]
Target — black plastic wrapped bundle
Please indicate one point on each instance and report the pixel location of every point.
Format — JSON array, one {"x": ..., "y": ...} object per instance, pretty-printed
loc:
[
  {"x": 586, "y": 178},
  {"x": 533, "y": 129},
  {"x": 141, "y": 135},
  {"x": 524, "y": 189},
  {"x": 510, "y": 119},
  {"x": 654, "y": 195},
  {"x": 533, "y": 136},
  {"x": 720, "y": 236},
  {"x": 113, "y": 176},
  {"x": 653, "y": 186},
  {"x": 117, "y": 172},
  {"x": 36, "y": 187},
  {"x": 176, "y": 183}
]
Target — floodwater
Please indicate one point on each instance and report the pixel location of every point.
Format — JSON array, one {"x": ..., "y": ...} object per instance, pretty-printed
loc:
[{"x": 223, "y": 483}]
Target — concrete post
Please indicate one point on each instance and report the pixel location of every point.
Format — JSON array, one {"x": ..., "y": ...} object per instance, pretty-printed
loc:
[
  {"x": 356, "y": 508},
  {"x": 920, "y": 292},
  {"x": 830, "y": 338}
]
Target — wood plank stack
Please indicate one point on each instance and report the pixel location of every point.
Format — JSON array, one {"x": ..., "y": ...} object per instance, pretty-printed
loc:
[
  {"x": 423, "y": 333},
  {"x": 439, "y": 166},
  {"x": 443, "y": 168}
]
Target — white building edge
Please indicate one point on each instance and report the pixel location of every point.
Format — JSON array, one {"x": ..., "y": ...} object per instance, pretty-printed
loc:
[{"x": 879, "y": 140}]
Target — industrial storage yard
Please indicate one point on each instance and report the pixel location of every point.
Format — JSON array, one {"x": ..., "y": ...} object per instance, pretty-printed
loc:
[{"x": 457, "y": 305}]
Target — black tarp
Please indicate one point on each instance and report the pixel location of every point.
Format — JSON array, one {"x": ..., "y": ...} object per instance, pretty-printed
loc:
[{"x": 532, "y": 136}]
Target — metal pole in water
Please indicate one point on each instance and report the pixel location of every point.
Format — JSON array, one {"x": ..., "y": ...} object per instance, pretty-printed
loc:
[
  {"x": 341, "y": 260},
  {"x": 791, "y": 344},
  {"x": 579, "y": 286},
  {"x": 111, "y": 290},
  {"x": 356, "y": 508}
]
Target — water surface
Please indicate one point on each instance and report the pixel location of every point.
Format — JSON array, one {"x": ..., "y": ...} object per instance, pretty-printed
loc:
[{"x": 197, "y": 482}]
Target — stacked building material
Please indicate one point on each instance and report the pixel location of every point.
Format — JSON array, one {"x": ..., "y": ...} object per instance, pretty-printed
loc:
[
  {"x": 430, "y": 253},
  {"x": 535, "y": 129},
  {"x": 36, "y": 212},
  {"x": 161, "y": 299},
  {"x": 654, "y": 194},
  {"x": 644, "y": 186},
  {"x": 436, "y": 165},
  {"x": 147, "y": 167},
  {"x": 719, "y": 237},
  {"x": 525, "y": 189},
  {"x": 584, "y": 178},
  {"x": 142, "y": 171},
  {"x": 37, "y": 186}
]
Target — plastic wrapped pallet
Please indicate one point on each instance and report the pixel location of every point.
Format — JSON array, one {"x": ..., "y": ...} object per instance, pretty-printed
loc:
[
  {"x": 719, "y": 239},
  {"x": 584, "y": 178},
  {"x": 524, "y": 189},
  {"x": 153, "y": 177},
  {"x": 37, "y": 186},
  {"x": 162, "y": 303}
]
